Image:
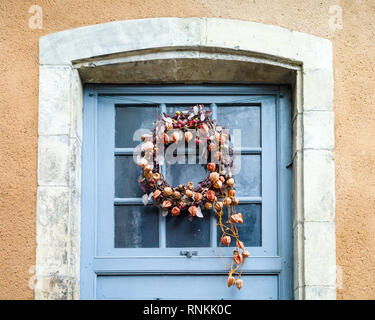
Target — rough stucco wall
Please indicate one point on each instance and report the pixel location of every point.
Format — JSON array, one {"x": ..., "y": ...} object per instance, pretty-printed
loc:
[{"x": 354, "y": 57}]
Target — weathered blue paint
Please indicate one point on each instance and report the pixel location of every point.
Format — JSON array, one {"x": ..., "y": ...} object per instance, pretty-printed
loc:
[{"x": 108, "y": 272}]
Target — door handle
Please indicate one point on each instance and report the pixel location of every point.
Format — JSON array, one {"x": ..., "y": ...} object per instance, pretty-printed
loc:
[{"x": 188, "y": 253}]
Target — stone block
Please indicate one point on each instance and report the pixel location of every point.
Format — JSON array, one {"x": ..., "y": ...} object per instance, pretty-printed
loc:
[
  {"x": 318, "y": 89},
  {"x": 54, "y": 100},
  {"x": 320, "y": 293},
  {"x": 319, "y": 185},
  {"x": 318, "y": 130},
  {"x": 319, "y": 254},
  {"x": 53, "y": 160},
  {"x": 54, "y": 287},
  {"x": 52, "y": 216}
]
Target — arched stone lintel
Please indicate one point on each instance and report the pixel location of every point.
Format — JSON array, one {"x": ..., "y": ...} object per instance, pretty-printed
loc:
[{"x": 185, "y": 67}]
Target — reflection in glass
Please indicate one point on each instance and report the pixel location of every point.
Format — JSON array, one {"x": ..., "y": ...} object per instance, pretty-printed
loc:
[
  {"x": 250, "y": 231},
  {"x": 129, "y": 119},
  {"x": 248, "y": 175},
  {"x": 182, "y": 233},
  {"x": 136, "y": 227},
  {"x": 126, "y": 178},
  {"x": 184, "y": 173},
  {"x": 246, "y": 118}
]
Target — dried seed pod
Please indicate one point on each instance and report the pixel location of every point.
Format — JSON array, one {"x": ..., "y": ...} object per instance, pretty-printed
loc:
[
  {"x": 148, "y": 174},
  {"x": 197, "y": 197},
  {"x": 208, "y": 205},
  {"x": 176, "y": 195},
  {"x": 245, "y": 254},
  {"x": 210, "y": 195},
  {"x": 166, "y": 204},
  {"x": 193, "y": 210},
  {"x": 175, "y": 211},
  {"x": 156, "y": 176},
  {"x": 218, "y": 205},
  {"x": 222, "y": 179},
  {"x": 240, "y": 217},
  {"x": 211, "y": 166},
  {"x": 226, "y": 240},
  {"x": 167, "y": 191},
  {"x": 214, "y": 176},
  {"x": 227, "y": 202},
  {"x": 218, "y": 184},
  {"x": 239, "y": 283},
  {"x": 230, "y": 182},
  {"x": 164, "y": 138},
  {"x": 189, "y": 193},
  {"x": 232, "y": 193},
  {"x": 190, "y": 185},
  {"x": 240, "y": 244},
  {"x": 236, "y": 218},
  {"x": 156, "y": 194},
  {"x": 147, "y": 168},
  {"x": 235, "y": 201},
  {"x": 188, "y": 136},
  {"x": 231, "y": 281},
  {"x": 176, "y": 136},
  {"x": 233, "y": 218},
  {"x": 237, "y": 258}
]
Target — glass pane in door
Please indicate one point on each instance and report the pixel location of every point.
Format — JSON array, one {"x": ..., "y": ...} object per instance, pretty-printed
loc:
[
  {"x": 248, "y": 177},
  {"x": 182, "y": 232},
  {"x": 250, "y": 231},
  {"x": 128, "y": 119},
  {"x": 244, "y": 117},
  {"x": 126, "y": 175},
  {"x": 136, "y": 227}
]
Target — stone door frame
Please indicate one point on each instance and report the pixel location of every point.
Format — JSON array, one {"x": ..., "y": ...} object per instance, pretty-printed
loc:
[{"x": 183, "y": 50}]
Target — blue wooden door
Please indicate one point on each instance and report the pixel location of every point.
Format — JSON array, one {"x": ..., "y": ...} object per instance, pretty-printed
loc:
[{"x": 130, "y": 251}]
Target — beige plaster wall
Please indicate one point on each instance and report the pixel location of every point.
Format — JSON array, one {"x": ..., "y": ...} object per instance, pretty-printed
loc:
[{"x": 354, "y": 59}]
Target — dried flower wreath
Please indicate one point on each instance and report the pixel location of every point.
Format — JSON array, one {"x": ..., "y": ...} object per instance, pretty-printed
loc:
[{"x": 214, "y": 193}]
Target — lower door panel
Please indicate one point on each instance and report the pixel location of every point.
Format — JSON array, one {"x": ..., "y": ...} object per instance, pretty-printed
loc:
[{"x": 188, "y": 287}]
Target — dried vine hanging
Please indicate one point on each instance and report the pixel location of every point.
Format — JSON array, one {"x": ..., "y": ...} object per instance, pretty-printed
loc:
[{"x": 216, "y": 193}]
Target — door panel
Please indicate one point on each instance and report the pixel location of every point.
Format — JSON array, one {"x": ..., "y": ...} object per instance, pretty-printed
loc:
[
  {"x": 202, "y": 287},
  {"x": 121, "y": 236}
]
